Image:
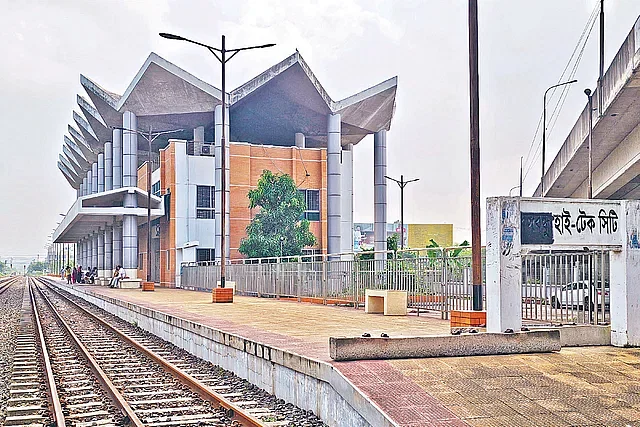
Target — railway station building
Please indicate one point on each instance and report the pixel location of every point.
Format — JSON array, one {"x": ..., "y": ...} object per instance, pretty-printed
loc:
[{"x": 282, "y": 120}]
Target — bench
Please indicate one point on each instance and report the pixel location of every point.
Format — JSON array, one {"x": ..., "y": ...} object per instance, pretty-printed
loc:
[
  {"x": 130, "y": 283},
  {"x": 388, "y": 302},
  {"x": 228, "y": 284}
]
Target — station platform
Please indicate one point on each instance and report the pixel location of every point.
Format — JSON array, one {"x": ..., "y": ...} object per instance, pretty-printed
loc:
[{"x": 576, "y": 386}]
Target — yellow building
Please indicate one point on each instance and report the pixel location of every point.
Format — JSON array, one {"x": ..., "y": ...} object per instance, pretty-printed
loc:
[{"x": 420, "y": 235}]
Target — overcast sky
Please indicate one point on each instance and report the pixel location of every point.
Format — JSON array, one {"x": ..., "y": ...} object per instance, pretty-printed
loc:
[{"x": 350, "y": 45}]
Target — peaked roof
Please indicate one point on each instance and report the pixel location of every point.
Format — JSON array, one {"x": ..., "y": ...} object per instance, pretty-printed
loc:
[{"x": 270, "y": 108}]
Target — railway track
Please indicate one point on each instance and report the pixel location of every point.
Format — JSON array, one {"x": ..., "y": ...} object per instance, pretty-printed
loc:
[
  {"x": 28, "y": 398},
  {"x": 165, "y": 386}
]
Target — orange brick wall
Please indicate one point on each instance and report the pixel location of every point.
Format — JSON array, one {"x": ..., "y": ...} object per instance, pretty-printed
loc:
[{"x": 246, "y": 163}]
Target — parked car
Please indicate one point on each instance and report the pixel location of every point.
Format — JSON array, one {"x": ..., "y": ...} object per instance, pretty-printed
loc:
[{"x": 581, "y": 295}]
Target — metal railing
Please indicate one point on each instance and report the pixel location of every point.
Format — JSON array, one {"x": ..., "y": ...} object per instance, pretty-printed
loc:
[
  {"x": 436, "y": 279},
  {"x": 571, "y": 287}
]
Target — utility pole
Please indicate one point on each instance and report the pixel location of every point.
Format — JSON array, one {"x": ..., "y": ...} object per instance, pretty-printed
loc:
[
  {"x": 601, "y": 70},
  {"x": 520, "y": 176},
  {"x": 223, "y": 149},
  {"x": 402, "y": 183},
  {"x": 476, "y": 244}
]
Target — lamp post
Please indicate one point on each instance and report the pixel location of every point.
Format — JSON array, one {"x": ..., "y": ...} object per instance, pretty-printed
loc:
[
  {"x": 223, "y": 51},
  {"x": 402, "y": 183},
  {"x": 149, "y": 136},
  {"x": 590, "y": 178},
  {"x": 544, "y": 129}
]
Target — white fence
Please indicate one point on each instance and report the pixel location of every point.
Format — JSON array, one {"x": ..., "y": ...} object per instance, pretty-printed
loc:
[{"x": 436, "y": 279}]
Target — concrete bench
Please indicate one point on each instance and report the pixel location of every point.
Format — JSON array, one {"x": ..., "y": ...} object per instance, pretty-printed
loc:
[
  {"x": 228, "y": 284},
  {"x": 388, "y": 302},
  {"x": 130, "y": 283}
]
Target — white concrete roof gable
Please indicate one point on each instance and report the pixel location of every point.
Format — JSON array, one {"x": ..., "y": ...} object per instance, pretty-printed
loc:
[
  {"x": 173, "y": 69},
  {"x": 108, "y": 97},
  {"x": 89, "y": 109},
  {"x": 367, "y": 93},
  {"x": 67, "y": 175},
  {"x": 85, "y": 128}
]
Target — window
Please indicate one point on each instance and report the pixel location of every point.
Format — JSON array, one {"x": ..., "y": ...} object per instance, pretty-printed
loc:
[
  {"x": 205, "y": 196},
  {"x": 205, "y": 255},
  {"x": 312, "y": 200},
  {"x": 140, "y": 261},
  {"x": 155, "y": 189}
]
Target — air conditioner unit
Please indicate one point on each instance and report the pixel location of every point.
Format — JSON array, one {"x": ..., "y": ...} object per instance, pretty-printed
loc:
[{"x": 205, "y": 150}]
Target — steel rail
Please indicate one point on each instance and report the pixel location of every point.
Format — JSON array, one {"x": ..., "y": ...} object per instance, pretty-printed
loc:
[
  {"x": 101, "y": 376},
  {"x": 6, "y": 284},
  {"x": 54, "y": 399},
  {"x": 233, "y": 411}
]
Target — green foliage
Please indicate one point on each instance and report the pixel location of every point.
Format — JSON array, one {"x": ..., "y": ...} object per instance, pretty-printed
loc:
[
  {"x": 4, "y": 268},
  {"x": 277, "y": 229},
  {"x": 37, "y": 267},
  {"x": 392, "y": 245}
]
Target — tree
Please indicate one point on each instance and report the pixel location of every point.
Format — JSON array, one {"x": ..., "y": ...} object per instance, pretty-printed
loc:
[
  {"x": 278, "y": 228},
  {"x": 4, "y": 268},
  {"x": 37, "y": 267}
]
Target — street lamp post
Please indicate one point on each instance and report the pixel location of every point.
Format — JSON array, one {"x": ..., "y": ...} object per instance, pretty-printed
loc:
[
  {"x": 590, "y": 179},
  {"x": 149, "y": 136},
  {"x": 402, "y": 183},
  {"x": 223, "y": 149},
  {"x": 544, "y": 129}
]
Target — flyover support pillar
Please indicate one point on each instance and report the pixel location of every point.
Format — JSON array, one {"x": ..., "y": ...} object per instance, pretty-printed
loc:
[{"x": 334, "y": 148}]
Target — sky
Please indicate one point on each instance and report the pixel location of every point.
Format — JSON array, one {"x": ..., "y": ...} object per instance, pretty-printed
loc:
[{"x": 349, "y": 44}]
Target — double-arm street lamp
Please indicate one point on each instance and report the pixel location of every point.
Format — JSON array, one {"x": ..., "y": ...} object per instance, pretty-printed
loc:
[
  {"x": 221, "y": 55},
  {"x": 149, "y": 136},
  {"x": 544, "y": 129},
  {"x": 402, "y": 183}
]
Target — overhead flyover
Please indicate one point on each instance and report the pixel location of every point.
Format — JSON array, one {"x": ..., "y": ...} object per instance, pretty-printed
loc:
[{"x": 616, "y": 136}]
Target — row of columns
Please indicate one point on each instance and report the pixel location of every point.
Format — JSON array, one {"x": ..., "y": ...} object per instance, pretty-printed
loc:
[
  {"x": 340, "y": 189},
  {"x": 116, "y": 167},
  {"x": 103, "y": 249}
]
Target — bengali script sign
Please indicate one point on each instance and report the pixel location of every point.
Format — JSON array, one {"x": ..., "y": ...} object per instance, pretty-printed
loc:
[{"x": 581, "y": 223}]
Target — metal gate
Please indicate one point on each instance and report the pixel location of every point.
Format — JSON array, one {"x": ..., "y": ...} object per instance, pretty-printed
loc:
[{"x": 566, "y": 287}]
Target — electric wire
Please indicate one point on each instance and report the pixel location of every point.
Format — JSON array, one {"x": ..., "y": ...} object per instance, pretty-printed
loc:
[{"x": 531, "y": 160}]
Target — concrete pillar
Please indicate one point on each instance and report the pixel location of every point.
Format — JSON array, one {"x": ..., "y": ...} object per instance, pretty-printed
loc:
[
  {"x": 334, "y": 149},
  {"x": 117, "y": 158},
  {"x": 300, "y": 140},
  {"x": 101, "y": 249},
  {"x": 94, "y": 252},
  {"x": 89, "y": 181},
  {"x": 108, "y": 166},
  {"x": 117, "y": 244},
  {"x": 380, "y": 193},
  {"x": 83, "y": 252},
  {"x": 218, "y": 178},
  {"x": 346, "y": 226},
  {"x": 625, "y": 271},
  {"x": 83, "y": 187},
  {"x": 504, "y": 265},
  {"x": 130, "y": 237},
  {"x": 94, "y": 178},
  {"x": 79, "y": 192},
  {"x": 129, "y": 150},
  {"x": 198, "y": 134},
  {"x": 89, "y": 252},
  {"x": 108, "y": 250},
  {"x": 101, "y": 173}
]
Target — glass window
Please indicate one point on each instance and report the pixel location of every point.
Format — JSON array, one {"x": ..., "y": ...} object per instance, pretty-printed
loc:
[
  {"x": 205, "y": 196},
  {"x": 312, "y": 200},
  {"x": 155, "y": 189},
  {"x": 205, "y": 255}
]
